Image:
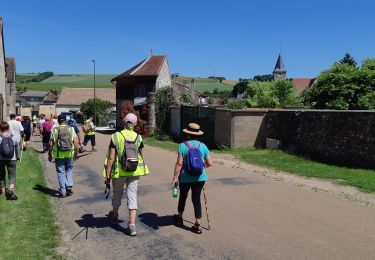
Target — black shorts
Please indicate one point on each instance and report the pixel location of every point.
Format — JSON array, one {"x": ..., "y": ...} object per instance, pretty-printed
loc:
[
  {"x": 90, "y": 138},
  {"x": 27, "y": 137}
]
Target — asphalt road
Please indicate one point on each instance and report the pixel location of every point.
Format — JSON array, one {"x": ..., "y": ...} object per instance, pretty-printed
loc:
[{"x": 252, "y": 217}]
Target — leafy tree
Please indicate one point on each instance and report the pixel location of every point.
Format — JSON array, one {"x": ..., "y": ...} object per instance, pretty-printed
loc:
[
  {"x": 262, "y": 78},
  {"x": 343, "y": 86},
  {"x": 284, "y": 92},
  {"x": 103, "y": 108},
  {"x": 239, "y": 88},
  {"x": 348, "y": 60}
]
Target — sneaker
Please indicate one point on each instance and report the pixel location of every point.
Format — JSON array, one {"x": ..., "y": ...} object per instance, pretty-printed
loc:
[
  {"x": 60, "y": 195},
  {"x": 10, "y": 195},
  {"x": 113, "y": 220},
  {"x": 94, "y": 150},
  {"x": 196, "y": 229},
  {"x": 130, "y": 230},
  {"x": 69, "y": 190}
]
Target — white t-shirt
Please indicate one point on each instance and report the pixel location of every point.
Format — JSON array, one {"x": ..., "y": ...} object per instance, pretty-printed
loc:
[
  {"x": 15, "y": 128},
  {"x": 41, "y": 121}
]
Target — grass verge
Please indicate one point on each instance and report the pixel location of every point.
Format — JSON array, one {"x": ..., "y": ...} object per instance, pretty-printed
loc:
[
  {"x": 27, "y": 225},
  {"x": 278, "y": 160}
]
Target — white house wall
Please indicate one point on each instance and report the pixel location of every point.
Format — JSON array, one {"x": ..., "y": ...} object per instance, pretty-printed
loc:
[{"x": 164, "y": 78}]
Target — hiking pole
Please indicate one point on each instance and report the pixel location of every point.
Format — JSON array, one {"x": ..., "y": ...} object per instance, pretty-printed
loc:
[{"x": 205, "y": 203}]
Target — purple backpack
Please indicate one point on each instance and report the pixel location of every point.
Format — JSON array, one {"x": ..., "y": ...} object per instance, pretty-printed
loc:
[{"x": 193, "y": 162}]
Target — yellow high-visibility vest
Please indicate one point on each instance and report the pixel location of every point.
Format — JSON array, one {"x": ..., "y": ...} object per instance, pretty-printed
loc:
[{"x": 119, "y": 142}]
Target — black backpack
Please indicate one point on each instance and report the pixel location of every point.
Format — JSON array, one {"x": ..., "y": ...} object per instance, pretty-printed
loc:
[{"x": 7, "y": 147}]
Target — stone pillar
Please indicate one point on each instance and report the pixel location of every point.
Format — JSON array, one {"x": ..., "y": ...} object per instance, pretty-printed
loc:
[{"x": 151, "y": 112}]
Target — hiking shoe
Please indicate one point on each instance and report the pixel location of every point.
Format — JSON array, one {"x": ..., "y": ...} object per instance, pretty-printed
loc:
[
  {"x": 69, "y": 190},
  {"x": 60, "y": 195},
  {"x": 10, "y": 195},
  {"x": 130, "y": 230},
  {"x": 196, "y": 229},
  {"x": 113, "y": 220}
]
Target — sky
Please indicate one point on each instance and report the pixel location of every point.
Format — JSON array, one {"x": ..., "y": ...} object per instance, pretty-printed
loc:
[{"x": 234, "y": 39}]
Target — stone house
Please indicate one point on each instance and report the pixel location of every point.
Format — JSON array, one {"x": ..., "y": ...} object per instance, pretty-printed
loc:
[
  {"x": 3, "y": 80},
  {"x": 33, "y": 97},
  {"x": 10, "y": 68},
  {"x": 70, "y": 99},
  {"x": 146, "y": 77},
  {"x": 302, "y": 83}
]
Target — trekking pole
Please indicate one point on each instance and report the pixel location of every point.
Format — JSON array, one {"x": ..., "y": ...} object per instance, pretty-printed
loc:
[{"x": 205, "y": 203}]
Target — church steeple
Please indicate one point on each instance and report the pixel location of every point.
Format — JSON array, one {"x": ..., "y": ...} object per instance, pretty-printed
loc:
[{"x": 279, "y": 72}]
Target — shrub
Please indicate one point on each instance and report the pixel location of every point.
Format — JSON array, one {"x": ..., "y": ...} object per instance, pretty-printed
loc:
[{"x": 164, "y": 98}]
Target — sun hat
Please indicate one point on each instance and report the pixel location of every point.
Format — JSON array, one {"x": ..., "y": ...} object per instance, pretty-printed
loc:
[
  {"x": 193, "y": 129},
  {"x": 130, "y": 118}
]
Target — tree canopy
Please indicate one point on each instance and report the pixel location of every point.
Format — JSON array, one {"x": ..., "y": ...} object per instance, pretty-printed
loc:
[{"x": 344, "y": 86}]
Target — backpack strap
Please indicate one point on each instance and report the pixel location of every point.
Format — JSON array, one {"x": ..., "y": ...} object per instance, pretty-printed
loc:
[{"x": 187, "y": 144}]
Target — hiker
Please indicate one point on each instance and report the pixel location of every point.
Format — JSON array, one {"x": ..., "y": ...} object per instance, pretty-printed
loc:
[
  {"x": 8, "y": 160},
  {"x": 35, "y": 123},
  {"x": 41, "y": 121},
  {"x": 73, "y": 123},
  {"x": 190, "y": 173},
  {"x": 89, "y": 130},
  {"x": 125, "y": 154},
  {"x": 26, "y": 124},
  {"x": 16, "y": 129},
  {"x": 46, "y": 133},
  {"x": 64, "y": 149},
  {"x": 55, "y": 122}
]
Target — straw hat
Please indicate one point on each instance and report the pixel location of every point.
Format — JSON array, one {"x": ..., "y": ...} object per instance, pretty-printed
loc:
[{"x": 193, "y": 129}]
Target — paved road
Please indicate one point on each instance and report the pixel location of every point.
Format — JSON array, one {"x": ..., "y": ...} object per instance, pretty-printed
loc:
[{"x": 252, "y": 217}]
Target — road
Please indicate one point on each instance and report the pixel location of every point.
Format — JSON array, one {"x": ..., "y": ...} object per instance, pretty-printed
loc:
[{"x": 252, "y": 217}]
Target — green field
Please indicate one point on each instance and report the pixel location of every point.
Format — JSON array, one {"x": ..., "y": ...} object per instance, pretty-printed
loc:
[
  {"x": 58, "y": 82},
  {"x": 206, "y": 84}
]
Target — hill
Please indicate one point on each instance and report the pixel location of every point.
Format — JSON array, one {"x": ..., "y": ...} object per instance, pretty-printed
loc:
[{"x": 58, "y": 82}]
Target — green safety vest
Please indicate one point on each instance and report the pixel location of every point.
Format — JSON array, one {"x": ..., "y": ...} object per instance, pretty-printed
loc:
[
  {"x": 118, "y": 141},
  {"x": 61, "y": 154},
  {"x": 91, "y": 130}
]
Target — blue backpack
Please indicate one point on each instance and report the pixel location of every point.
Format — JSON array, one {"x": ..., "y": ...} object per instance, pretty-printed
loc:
[{"x": 193, "y": 162}]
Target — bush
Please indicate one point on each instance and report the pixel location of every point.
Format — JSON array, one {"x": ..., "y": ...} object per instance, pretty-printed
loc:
[
  {"x": 164, "y": 98},
  {"x": 238, "y": 104}
]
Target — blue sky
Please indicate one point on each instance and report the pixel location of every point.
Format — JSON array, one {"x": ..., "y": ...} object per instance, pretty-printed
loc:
[{"x": 226, "y": 38}]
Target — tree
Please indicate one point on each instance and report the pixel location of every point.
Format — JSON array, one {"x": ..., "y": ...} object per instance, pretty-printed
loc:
[
  {"x": 284, "y": 92},
  {"x": 348, "y": 60},
  {"x": 343, "y": 86},
  {"x": 262, "y": 78},
  {"x": 239, "y": 88},
  {"x": 103, "y": 108}
]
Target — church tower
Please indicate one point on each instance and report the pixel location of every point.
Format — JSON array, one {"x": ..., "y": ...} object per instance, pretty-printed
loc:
[{"x": 279, "y": 72}]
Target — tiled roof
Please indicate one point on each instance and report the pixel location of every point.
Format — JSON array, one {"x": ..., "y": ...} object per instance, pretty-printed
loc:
[
  {"x": 10, "y": 68},
  {"x": 34, "y": 93},
  {"x": 77, "y": 96},
  {"x": 50, "y": 98},
  {"x": 302, "y": 83},
  {"x": 149, "y": 67}
]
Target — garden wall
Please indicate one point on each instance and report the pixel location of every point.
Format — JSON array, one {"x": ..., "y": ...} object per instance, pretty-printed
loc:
[{"x": 339, "y": 137}]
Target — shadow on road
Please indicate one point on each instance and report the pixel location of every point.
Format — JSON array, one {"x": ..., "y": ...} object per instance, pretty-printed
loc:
[
  {"x": 89, "y": 221},
  {"x": 46, "y": 190},
  {"x": 154, "y": 221}
]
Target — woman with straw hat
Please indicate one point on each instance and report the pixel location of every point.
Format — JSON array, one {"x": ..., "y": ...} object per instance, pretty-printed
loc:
[{"x": 187, "y": 176}]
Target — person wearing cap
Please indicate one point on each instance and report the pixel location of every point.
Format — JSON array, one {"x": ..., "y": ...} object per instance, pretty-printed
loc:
[
  {"x": 16, "y": 130},
  {"x": 64, "y": 159},
  {"x": 186, "y": 181},
  {"x": 120, "y": 177},
  {"x": 90, "y": 134}
]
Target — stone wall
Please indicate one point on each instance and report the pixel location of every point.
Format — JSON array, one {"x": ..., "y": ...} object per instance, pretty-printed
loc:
[
  {"x": 339, "y": 137},
  {"x": 164, "y": 78},
  {"x": 238, "y": 128}
]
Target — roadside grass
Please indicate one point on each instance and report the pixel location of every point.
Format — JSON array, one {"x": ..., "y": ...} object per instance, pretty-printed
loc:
[
  {"x": 362, "y": 179},
  {"x": 27, "y": 225}
]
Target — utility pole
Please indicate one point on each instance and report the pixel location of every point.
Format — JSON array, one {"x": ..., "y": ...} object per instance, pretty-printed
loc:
[{"x": 94, "y": 95}]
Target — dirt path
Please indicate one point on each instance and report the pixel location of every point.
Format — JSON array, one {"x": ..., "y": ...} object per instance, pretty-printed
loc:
[{"x": 255, "y": 214}]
